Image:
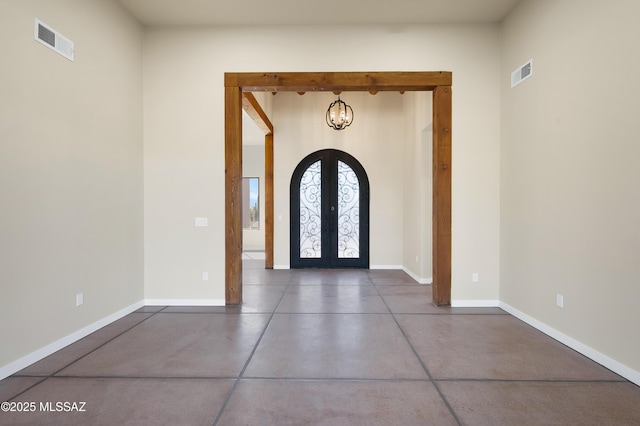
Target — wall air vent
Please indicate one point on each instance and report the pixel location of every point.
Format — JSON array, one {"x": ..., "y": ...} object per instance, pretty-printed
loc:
[
  {"x": 49, "y": 37},
  {"x": 522, "y": 73}
]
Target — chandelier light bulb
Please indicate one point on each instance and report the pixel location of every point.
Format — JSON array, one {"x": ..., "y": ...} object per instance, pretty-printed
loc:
[{"x": 339, "y": 115}]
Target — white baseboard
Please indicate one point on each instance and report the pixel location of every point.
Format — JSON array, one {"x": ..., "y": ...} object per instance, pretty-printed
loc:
[
  {"x": 44, "y": 352},
  {"x": 611, "y": 364},
  {"x": 385, "y": 266},
  {"x": 281, "y": 267},
  {"x": 475, "y": 303},
  {"x": 184, "y": 302},
  {"x": 417, "y": 278}
]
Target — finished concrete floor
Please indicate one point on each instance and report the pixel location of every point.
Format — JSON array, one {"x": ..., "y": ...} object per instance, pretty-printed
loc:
[{"x": 330, "y": 347}]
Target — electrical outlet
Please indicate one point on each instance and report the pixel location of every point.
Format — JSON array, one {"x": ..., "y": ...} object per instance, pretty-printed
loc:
[
  {"x": 560, "y": 300},
  {"x": 474, "y": 277},
  {"x": 205, "y": 276},
  {"x": 79, "y": 299}
]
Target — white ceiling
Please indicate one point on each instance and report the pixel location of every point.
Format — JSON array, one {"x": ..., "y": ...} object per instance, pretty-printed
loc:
[{"x": 305, "y": 12}]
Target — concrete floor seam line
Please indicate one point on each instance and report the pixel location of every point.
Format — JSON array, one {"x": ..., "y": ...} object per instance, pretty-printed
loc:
[
  {"x": 333, "y": 313},
  {"x": 28, "y": 389},
  {"x": 331, "y": 379},
  {"x": 478, "y": 380},
  {"x": 81, "y": 357},
  {"x": 216, "y": 313},
  {"x": 152, "y": 314},
  {"x": 424, "y": 366},
  {"x": 255, "y": 347},
  {"x": 426, "y": 369},
  {"x": 120, "y": 377},
  {"x": 246, "y": 364}
]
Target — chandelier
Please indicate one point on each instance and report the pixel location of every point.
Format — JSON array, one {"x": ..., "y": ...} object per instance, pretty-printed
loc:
[{"x": 339, "y": 115}]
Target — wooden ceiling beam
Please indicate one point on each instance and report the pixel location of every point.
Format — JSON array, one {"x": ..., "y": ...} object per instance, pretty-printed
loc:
[
  {"x": 251, "y": 106},
  {"x": 338, "y": 81}
]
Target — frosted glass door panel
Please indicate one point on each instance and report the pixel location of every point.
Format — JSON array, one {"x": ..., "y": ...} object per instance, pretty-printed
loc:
[
  {"x": 311, "y": 212},
  {"x": 348, "y": 212}
]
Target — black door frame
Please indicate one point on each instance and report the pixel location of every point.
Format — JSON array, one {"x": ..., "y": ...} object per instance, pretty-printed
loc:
[{"x": 329, "y": 159}]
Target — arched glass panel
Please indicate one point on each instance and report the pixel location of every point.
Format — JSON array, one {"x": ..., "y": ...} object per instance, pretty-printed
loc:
[
  {"x": 348, "y": 212},
  {"x": 329, "y": 195},
  {"x": 311, "y": 212}
]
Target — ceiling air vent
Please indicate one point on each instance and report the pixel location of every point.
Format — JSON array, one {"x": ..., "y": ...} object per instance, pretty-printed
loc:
[
  {"x": 54, "y": 40},
  {"x": 522, "y": 73}
]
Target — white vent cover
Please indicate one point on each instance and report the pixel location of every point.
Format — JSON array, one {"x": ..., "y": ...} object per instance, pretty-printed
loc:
[
  {"x": 53, "y": 40},
  {"x": 522, "y": 73}
]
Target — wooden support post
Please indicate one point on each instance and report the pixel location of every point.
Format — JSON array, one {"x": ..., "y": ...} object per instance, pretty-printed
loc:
[
  {"x": 233, "y": 195},
  {"x": 442, "y": 112},
  {"x": 268, "y": 201}
]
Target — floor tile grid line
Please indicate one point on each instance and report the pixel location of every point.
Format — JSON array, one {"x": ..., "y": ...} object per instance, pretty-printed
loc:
[
  {"x": 44, "y": 378},
  {"x": 355, "y": 314},
  {"x": 424, "y": 366},
  {"x": 477, "y": 380},
  {"x": 332, "y": 379},
  {"x": 622, "y": 379},
  {"x": 27, "y": 389},
  {"x": 253, "y": 351},
  {"x": 489, "y": 380},
  {"x": 458, "y": 314},
  {"x": 459, "y": 311},
  {"x": 215, "y": 313},
  {"x": 121, "y": 377},
  {"x": 524, "y": 380}
]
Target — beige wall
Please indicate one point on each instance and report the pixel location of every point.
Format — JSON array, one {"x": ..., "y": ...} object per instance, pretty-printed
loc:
[
  {"x": 374, "y": 139},
  {"x": 184, "y": 140},
  {"x": 417, "y": 185},
  {"x": 70, "y": 171},
  {"x": 570, "y": 172},
  {"x": 545, "y": 194}
]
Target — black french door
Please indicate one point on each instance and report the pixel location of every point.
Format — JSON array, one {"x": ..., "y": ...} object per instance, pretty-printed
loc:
[{"x": 329, "y": 212}]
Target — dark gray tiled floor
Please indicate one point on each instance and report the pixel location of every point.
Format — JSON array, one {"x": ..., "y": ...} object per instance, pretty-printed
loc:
[{"x": 337, "y": 347}]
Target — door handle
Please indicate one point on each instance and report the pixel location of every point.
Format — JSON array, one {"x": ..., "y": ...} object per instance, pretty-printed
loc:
[{"x": 333, "y": 219}]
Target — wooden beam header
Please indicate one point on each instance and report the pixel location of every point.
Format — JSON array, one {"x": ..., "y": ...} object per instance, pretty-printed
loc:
[
  {"x": 251, "y": 106},
  {"x": 338, "y": 81}
]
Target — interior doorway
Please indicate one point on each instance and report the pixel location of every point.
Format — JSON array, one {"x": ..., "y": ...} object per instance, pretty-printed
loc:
[
  {"x": 329, "y": 200},
  {"x": 438, "y": 82}
]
